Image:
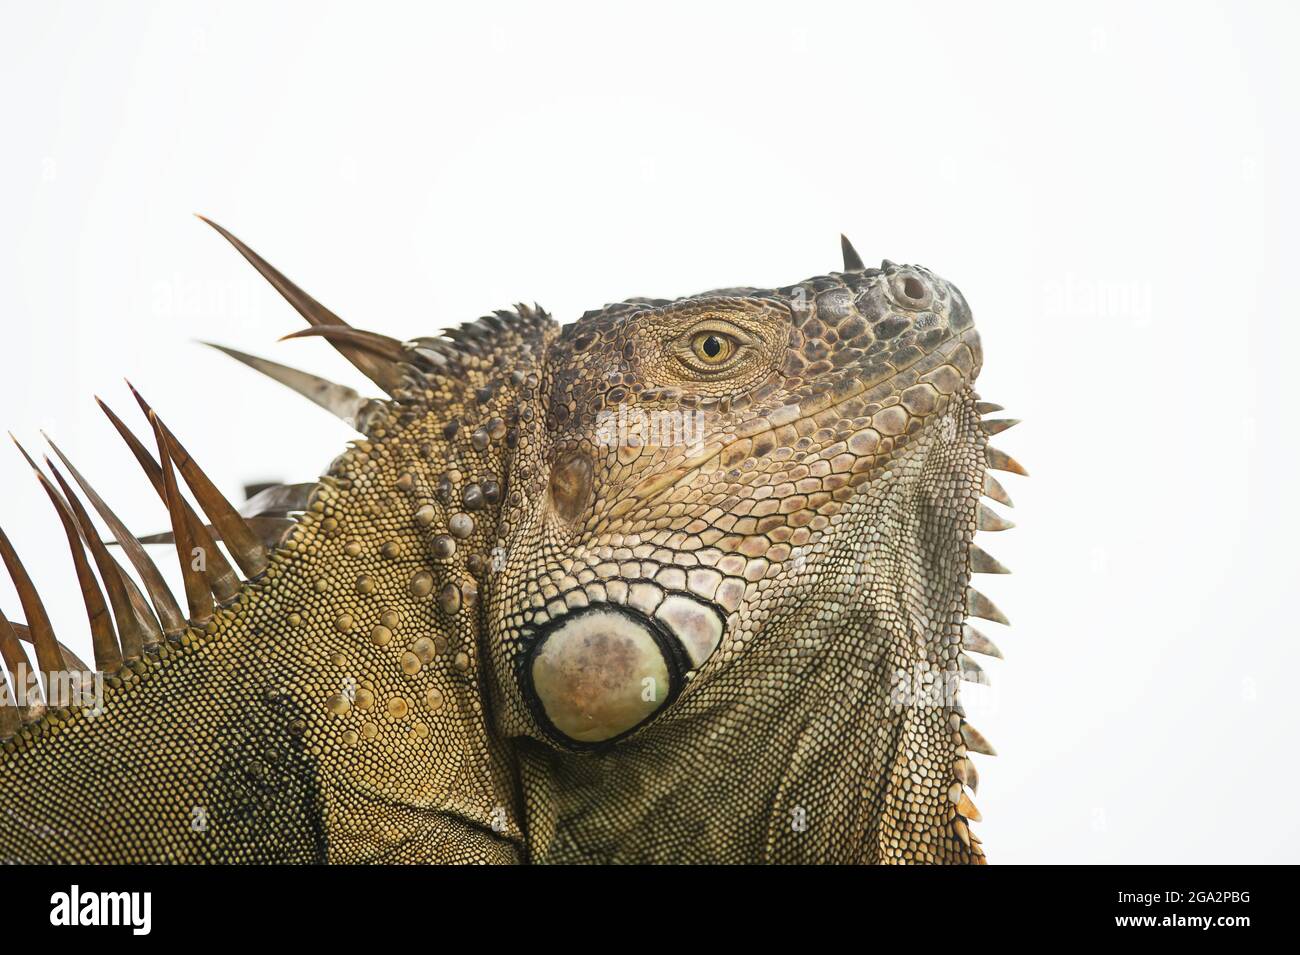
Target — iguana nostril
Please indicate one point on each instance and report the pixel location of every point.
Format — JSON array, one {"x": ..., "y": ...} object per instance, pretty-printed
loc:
[
  {"x": 599, "y": 675},
  {"x": 913, "y": 288}
]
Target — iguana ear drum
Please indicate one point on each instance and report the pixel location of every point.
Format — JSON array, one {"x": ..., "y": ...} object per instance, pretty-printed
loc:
[
  {"x": 600, "y": 673},
  {"x": 571, "y": 485}
]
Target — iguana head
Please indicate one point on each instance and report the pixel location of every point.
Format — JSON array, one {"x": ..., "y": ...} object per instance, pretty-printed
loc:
[
  {"x": 743, "y": 543},
  {"x": 689, "y": 458}
]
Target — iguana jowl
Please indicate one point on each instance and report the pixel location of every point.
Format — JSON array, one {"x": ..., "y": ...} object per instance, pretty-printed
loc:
[{"x": 682, "y": 581}]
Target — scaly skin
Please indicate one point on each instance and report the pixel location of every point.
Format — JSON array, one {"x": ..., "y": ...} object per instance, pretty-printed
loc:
[{"x": 510, "y": 629}]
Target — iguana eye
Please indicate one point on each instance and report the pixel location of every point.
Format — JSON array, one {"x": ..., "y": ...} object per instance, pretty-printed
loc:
[
  {"x": 713, "y": 348},
  {"x": 719, "y": 346}
]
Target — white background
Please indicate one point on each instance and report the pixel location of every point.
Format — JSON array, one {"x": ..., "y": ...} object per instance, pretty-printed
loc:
[{"x": 1113, "y": 188}]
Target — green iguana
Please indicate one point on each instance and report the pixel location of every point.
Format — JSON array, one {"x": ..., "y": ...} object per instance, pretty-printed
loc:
[{"x": 681, "y": 581}]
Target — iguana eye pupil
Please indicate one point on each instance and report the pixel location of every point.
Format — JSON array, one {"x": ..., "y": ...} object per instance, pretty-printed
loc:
[
  {"x": 913, "y": 288},
  {"x": 712, "y": 348}
]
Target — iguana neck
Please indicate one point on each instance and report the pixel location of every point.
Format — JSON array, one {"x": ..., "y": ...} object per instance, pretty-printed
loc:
[
  {"x": 816, "y": 764},
  {"x": 377, "y": 587}
]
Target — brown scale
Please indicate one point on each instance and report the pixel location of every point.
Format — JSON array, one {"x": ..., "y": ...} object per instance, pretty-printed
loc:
[{"x": 399, "y": 678}]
